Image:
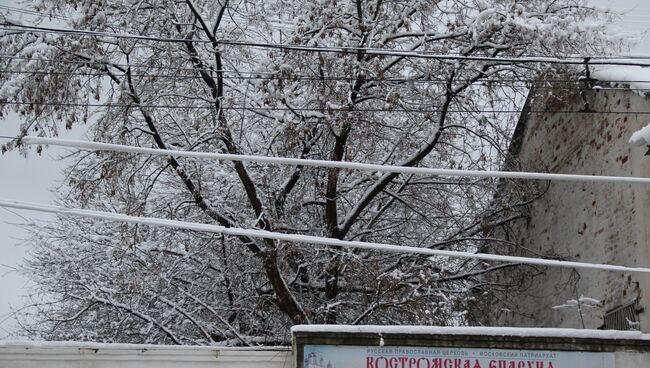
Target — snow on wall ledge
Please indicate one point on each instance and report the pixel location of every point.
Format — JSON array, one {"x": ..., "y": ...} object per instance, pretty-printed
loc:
[{"x": 76, "y": 354}]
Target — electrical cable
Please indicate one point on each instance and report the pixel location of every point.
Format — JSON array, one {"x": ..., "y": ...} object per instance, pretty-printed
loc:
[
  {"x": 575, "y": 84},
  {"x": 309, "y": 240},
  {"x": 276, "y": 75},
  {"x": 32, "y": 12},
  {"x": 320, "y": 111},
  {"x": 97, "y": 146},
  {"x": 340, "y": 50}
]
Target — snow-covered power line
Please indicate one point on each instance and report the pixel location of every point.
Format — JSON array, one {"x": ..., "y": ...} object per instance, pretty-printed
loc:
[
  {"x": 274, "y": 75},
  {"x": 318, "y": 111},
  {"x": 565, "y": 84},
  {"x": 309, "y": 239},
  {"x": 96, "y": 146},
  {"x": 571, "y": 60},
  {"x": 31, "y": 12}
]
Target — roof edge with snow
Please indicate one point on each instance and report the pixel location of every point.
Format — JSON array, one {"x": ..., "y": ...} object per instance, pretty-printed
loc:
[{"x": 476, "y": 331}]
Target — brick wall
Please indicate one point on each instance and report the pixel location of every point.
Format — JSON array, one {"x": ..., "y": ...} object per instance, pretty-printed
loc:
[{"x": 586, "y": 222}]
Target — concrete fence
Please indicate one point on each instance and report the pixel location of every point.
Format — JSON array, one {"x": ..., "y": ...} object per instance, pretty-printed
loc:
[{"x": 91, "y": 355}]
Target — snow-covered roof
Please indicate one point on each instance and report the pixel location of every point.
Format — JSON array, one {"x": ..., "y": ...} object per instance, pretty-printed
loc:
[{"x": 476, "y": 331}]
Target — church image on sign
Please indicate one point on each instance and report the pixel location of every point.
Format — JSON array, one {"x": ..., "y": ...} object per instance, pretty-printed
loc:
[{"x": 315, "y": 360}]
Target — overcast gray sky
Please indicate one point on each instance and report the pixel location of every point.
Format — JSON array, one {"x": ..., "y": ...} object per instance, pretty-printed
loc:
[{"x": 32, "y": 178}]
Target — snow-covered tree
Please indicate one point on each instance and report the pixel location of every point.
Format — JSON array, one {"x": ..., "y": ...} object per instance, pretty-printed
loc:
[{"x": 197, "y": 81}]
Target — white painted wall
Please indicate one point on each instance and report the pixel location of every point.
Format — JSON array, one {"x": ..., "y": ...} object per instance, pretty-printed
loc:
[{"x": 91, "y": 355}]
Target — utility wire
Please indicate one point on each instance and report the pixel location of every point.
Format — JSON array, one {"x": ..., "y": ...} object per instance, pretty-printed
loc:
[
  {"x": 275, "y": 75},
  {"x": 319, "y": 111},
  {"x": 267, "y": 76},
  {"x": 567, "y": 84},
  {"x": 309, "y": 241},
  {"x": 340, "y": 50},
  {"x": 32, "y": 12},
  {"x": 252, "y": 108},
  {"x": 96, "y": 146}
]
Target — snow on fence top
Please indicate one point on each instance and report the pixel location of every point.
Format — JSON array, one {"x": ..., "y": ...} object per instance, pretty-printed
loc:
[{"x": 141, "y": 347}]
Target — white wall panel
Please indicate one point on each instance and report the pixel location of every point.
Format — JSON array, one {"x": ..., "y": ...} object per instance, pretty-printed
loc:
[{"x": 78, "y": 355}]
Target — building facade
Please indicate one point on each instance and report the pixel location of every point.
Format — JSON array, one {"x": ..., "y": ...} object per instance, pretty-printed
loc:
[{"x": 579, "y": 132}]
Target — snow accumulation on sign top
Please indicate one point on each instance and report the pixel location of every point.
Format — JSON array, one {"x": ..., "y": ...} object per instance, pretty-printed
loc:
[{"x": 477, "y": 331}]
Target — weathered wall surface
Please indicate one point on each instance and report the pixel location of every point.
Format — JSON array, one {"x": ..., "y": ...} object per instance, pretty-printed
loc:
[
  {"x": 79, "y": 355},
  {"x": 587, "y": 222}
]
